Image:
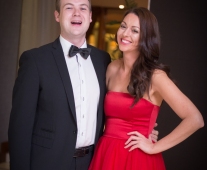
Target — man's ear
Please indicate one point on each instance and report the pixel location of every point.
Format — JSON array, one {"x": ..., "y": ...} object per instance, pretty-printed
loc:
[
  {"x": 57, "y": 15},
  {"x": 91, "y": 17}
]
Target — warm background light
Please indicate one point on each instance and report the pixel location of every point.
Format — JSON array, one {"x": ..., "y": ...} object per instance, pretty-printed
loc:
[{"x": 121, "y": 6}]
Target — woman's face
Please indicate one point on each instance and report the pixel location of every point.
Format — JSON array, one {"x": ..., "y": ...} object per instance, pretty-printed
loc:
[{"x": 129, "y": 33}]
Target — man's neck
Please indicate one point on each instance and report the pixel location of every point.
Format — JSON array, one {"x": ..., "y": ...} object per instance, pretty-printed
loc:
[{"x": 77, "y": 41}]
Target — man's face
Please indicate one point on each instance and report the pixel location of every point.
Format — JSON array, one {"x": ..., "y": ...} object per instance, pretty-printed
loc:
[{"x": 74, "y": 18}]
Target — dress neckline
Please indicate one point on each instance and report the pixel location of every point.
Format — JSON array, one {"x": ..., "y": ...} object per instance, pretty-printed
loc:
[{"x": 125, "y": 93}]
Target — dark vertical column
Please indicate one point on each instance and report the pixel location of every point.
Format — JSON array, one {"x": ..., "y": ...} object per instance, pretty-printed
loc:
[
  {"x": 102, "y": 29},
  {"x": 10, "y": 19},
  {"x": 183, "y": 27}
]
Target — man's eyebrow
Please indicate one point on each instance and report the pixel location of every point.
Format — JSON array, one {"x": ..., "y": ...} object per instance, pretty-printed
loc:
[
  {"x": 68, "y": 4},
  {"x": 84, "y": 5},
  {"x": 73, "y": 5}
]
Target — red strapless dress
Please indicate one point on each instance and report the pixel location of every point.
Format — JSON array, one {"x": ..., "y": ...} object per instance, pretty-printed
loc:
[{"x": 110, "y": 153}]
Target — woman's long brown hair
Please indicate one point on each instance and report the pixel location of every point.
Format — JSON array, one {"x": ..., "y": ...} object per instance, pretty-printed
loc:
[{"x": 149, "y": 51}]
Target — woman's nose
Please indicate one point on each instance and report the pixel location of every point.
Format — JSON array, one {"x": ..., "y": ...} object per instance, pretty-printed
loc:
[{"x": 126, "y": 32}]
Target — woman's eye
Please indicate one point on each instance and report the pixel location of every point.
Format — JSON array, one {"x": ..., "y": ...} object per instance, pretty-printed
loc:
[
  {"x": 122, "y": 26},
  {"x": 135, "y": 31}
]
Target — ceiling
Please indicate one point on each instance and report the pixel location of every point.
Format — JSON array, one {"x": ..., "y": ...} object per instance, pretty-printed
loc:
[{"x": 116, "y": 3}]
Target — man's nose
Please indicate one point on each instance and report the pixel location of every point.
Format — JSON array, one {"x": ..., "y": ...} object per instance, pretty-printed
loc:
[{"x": 76, "y": 12}]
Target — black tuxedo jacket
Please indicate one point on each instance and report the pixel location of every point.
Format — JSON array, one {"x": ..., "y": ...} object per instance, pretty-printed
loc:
[{"x": 42, "y": 129}]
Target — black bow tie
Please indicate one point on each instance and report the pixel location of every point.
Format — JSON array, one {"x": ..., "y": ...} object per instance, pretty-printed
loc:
[{"x": 84, "y": 52}]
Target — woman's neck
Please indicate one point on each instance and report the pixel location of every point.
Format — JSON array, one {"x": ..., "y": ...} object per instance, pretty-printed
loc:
[{"x": 128, "y": 61}]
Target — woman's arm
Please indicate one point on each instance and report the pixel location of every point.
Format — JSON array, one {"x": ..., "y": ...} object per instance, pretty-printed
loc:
[{"x": 192, "y": 119}]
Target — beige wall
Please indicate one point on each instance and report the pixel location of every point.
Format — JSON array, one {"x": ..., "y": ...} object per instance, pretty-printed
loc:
[
  {"x": 38, "y": 26},
  {"x": 25, "y": 24},
  {"x": 10, "y": 16}
]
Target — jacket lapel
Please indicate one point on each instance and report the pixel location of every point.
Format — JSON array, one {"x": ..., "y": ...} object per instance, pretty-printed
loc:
[
  {"x": 62, "y": 67},
  {"x": 96, "y": 64},
  {"x": 101, "y": 80}
]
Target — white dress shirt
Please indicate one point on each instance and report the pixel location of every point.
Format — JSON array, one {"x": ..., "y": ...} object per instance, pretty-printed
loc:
[{"x": 86, "y": 93}]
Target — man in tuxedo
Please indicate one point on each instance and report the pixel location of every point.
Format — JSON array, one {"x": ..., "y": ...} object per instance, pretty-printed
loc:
[{"x": 57, "y": 108}]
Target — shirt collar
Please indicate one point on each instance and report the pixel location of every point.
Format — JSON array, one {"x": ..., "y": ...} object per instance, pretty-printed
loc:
[{"x": 66, "y": 45}]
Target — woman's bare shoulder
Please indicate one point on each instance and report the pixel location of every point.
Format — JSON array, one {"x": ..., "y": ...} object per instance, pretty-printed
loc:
[
  {"x": 114, "y": 66},
  {"x": 158, "y": 75}
]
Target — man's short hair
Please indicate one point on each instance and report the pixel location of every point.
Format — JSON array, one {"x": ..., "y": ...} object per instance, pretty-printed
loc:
[{"x": 57, "y": 5}]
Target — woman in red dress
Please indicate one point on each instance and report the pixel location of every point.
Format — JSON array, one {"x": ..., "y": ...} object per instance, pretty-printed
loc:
[{"x": 137, "y": 84}]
